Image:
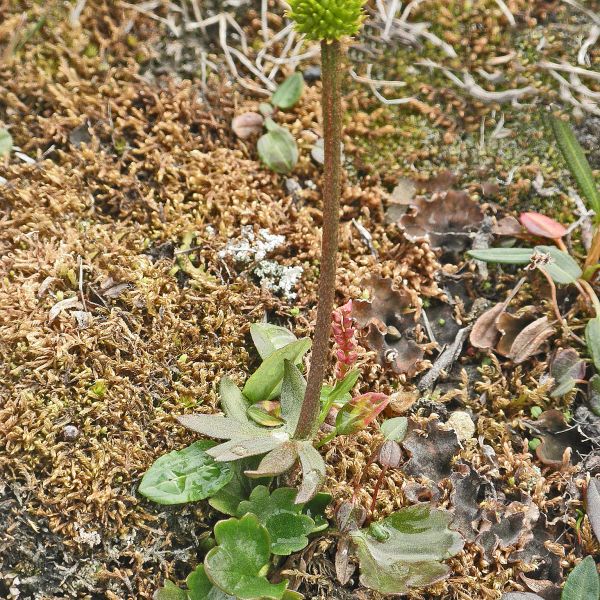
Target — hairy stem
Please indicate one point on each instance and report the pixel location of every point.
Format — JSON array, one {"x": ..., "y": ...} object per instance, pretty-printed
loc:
[{"x": 332, "y": 133}]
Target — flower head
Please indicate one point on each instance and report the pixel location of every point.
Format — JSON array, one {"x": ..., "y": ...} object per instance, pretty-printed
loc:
[{"x": 326, "y": 19}]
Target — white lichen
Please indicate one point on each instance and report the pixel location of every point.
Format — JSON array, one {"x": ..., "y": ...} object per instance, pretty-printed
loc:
[
  {"x": 251, "y": 247},
  {"x": 277, "y": 278}
]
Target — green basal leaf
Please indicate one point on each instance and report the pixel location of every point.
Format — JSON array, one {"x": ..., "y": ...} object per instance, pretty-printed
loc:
[
  {"x": 244, "y": 447},
  {"x": 276, "y": 462},
  {"x": 315, "y": 509},
  {"x": 292, "y": 395},
  {"x": 170, "y": 592},
  {"x": 405, "y": 549},
  {"x": 223, "y": 428},
  {"x": 313, "y": 471},
  {"x": 577, "y": 162},
  {"x": 289, "y": 92},
  {"x": 583, "y": 582},
  {"x": 592, "y": 340},
  {"x": 239, "y": 562},
  {"x": 395, "y": 429},
  {"x": 6, "y": 142},
  {"x": 265, "y": 382},
  {"x": 267, "y": 338},
  {"x": 200, "y": 587},
  {"x": 185, "y": 475},
  {"x": 508, "y": 256},
  {"x": 288, "y": 528},
  {"x": 233, "y": 403},
  {"x": 277, "y": 149},
  {"x": 563, "y": 268}
]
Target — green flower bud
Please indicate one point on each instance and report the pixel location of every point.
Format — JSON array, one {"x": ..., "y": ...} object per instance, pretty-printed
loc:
[{"x": 327, "y": 19}]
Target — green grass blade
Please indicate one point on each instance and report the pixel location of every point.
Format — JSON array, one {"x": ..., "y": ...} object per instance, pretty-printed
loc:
[{"x": 577, "y": 162}]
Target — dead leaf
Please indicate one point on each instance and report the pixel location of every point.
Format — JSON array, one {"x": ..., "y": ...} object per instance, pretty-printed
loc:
[
  {"x": 529, "y": 341},
  {"x": 62, "y": 305},
  {"x": 344, "y": 569},
  {"x": 485, "y": 333},
  {"x": 445, "y": 220},
  {"x": 561, "y": 443},
  {"x": 247, "y": 124},
  {"x": 566, "y": 367},
  {"x": 509, "y": 226},
  {"x": 390, "y": 320},
  {"x": 520, "y": 596},
  {"x": 545, "y": 589},
  {"x": 431, "y": 451},
  {"x": 400, "y": 402}
]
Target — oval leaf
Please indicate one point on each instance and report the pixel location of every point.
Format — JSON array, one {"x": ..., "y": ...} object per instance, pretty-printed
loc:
[
  {"x": 583, "y": 582},
  {"x": 6, "y": 142},
  {"x": 247, "y": 124},
  {"x": 185, "y": 475},
  {"x": 508, "y": 256},
  {"x": 562, "y": 267},
  {"x": 237, "y": 563},
  {"x": 265, "y": 382},
  {"x": 592, "y": 500},
  {"x": 289, "y": 92},
  {"x": 395, "y": 429},
  {"x": 278, "y": 150},
  {"x": 592, "y": 340},
  {"x": 267, "y": 338},
  {"x": 542, "y": 226}
]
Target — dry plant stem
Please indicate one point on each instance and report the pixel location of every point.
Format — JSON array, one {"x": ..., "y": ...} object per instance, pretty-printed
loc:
[
  {"x": 594, "y": 254},
  {"x": 332, "y": 133}
]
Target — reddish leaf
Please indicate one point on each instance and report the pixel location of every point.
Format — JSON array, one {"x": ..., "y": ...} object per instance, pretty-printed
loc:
[{"x": 542, "y": 225}]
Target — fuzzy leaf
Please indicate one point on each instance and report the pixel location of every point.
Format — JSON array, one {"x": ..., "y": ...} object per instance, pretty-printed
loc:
[
  {"x": 278, "y": 150},
  {"x": 292, "y": 395},
  {"x": 185, "y": 475},
  {"x": 267, "y": 338},
  {"x": 404, "y": 550},
  {"x": 563, "y": 268},
  {"x": 233, "y": 403},
  {"x": 542, "y": 226},
  {"x": 508, "y": 256},
  {"x": 592, "y": 340},
  {"x": 220, "y": 427},
  {"x": 577, "y": 162},
  {"x": 276, "y": 462},
  {"x": 245, "y": 447},
  {"x": 583, "y": 582},
  {"x": 238, "y": 563},
  {"x": 289, "y": 92},
  {"x": 313, "y": 471},
  {"x": 395, "y": 429},
  {"x": 287, "y": 526},
  {"x": 265, "y": 382}
]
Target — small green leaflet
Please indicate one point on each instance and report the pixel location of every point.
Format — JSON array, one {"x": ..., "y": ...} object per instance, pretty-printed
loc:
[
  {"x": 577, "y": 162},
  {"x": 395, "y": 429},
  {"x": 289, "y": 92},
  {"x": 185, "y": 475},
  {"x": 6, "y": 142},
  {"x": 508, "y": 256},
  {"x": 277, "y": 148},
  {"x": 592, "y": 340},
  {"x": 583, "y": 582},
  {"x": 265, "y": 382},
  {"x": 267, "y": 338}
]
